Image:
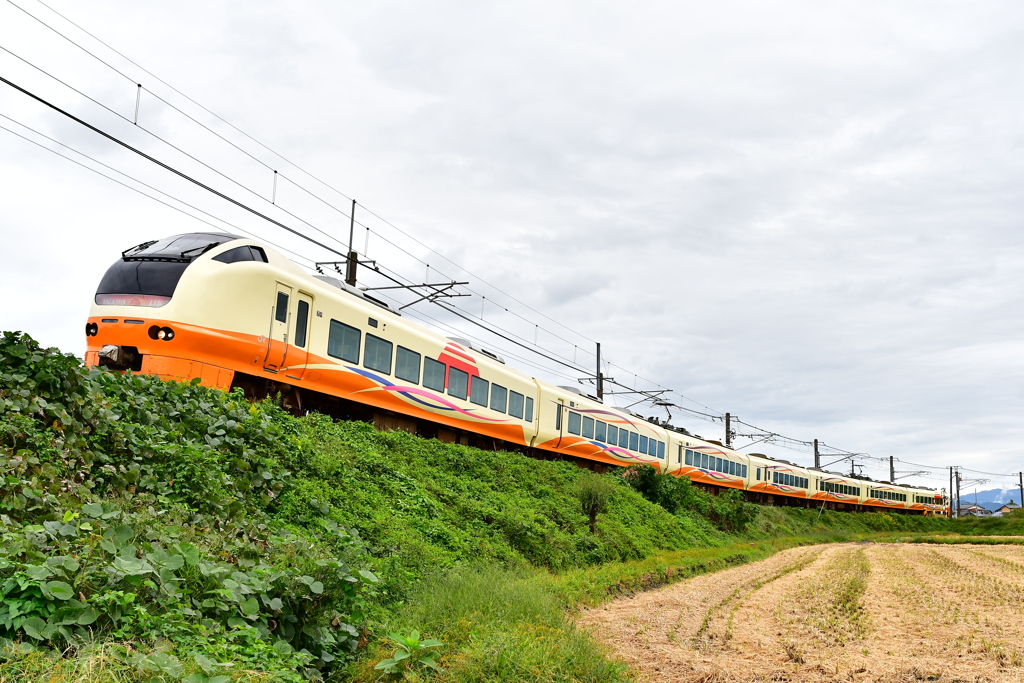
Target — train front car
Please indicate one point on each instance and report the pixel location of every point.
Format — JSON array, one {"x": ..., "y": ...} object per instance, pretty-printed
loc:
[{"x": 148, "y": 312}]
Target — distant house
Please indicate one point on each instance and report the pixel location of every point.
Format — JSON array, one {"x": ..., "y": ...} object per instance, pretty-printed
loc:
[
  {"x": 1009, "y": 507},
  {"x": 974, "y": 510}
]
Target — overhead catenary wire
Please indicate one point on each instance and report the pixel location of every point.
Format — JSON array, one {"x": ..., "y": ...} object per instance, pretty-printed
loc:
[
  {"x": 167, "y": 167},
  {"x": 277, "y": 154},
  {"x": 146, "y": 185}
]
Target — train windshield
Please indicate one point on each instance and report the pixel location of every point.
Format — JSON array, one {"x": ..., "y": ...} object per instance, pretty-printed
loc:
[{"x": 147, "y": 275}]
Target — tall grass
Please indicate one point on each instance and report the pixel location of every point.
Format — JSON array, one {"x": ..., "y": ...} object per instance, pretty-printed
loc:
[{"x": 497, "y": 625}]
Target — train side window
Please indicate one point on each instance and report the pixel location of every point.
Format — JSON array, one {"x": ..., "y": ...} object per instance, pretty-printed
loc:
[
  {"x": 575, "y": 422},
  {"x": 623, "y": 438},
  {"x": 704, "y": 464},
  {"x": 759, "y": 474},
  {"x": 281, "y": 310},
  {"x": 433, "y": 374},
  {"x": 600, "y": 431},
  {"x": 458, "y": 383},
  {"x": 529, "y": 410},
  {"x": 744, "y": 475},
  {"x": 634, "y": 441},
  {"x": 643, "y": 444},
  {"x": 478, "y": 391},
  {"x": 661, "y": 450},
  {"x": 588, "y": 427},
  {"x": 775, "y": 477},
  {"x": 613, "y": 435},
  {"x": 343, "y": 342},
  {"x": 515, "y": 404},
  {"x": 499, "y": 401},
  {"x": 301, "y": 324},
  {"x": 407, "y": 365},
  {"x": 689, "y": 457},
  {"x": 377, "y": 355},
  {"x": 558, "y": 417}
]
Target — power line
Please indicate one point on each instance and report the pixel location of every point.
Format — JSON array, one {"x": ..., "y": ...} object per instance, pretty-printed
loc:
[
  {"x": 166, "y": 166},
  {"x": 272, "y": 151},
  {"x": 135, "y": 189}
]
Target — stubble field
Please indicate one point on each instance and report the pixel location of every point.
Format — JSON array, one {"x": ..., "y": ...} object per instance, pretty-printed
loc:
[{"x": 848, "y": 612}]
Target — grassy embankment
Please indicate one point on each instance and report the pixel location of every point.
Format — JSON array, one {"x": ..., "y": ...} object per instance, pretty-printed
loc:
[{"x": 159, "y": 531}]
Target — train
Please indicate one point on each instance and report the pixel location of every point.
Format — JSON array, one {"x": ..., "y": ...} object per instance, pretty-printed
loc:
[{"x": 235, "y": 313}]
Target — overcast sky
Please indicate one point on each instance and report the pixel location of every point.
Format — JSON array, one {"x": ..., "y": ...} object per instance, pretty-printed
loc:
[{"x": 805, "y": 213}]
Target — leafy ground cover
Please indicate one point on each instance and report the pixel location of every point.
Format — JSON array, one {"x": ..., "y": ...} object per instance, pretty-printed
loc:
[{"x": 154, "y": 530}]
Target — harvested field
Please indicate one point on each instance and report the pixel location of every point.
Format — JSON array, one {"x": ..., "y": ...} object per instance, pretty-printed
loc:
[{"x": 847, "y": 612}]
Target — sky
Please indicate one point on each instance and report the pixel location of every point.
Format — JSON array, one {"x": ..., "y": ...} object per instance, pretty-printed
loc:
[{"x": 807, "y": 214}]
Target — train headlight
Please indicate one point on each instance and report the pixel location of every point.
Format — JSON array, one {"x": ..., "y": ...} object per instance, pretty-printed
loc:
[{"x": 161, "y": 333}]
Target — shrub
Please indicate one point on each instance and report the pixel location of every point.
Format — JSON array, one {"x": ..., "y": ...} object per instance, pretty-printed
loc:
[
  {"x": 594, "y": 493},
  {"x": 678, "y": 495}
]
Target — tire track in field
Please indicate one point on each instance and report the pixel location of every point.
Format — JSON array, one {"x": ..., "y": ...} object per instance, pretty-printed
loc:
[
  {"x": 888, "y": 613},
  {"x": 946, "y": 619},
  {"x": 654, "y": 631},
  {"x": 804, "y": 619}
]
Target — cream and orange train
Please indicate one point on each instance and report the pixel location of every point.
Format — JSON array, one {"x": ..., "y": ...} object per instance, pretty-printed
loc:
[{"x": 235, "y": 313}]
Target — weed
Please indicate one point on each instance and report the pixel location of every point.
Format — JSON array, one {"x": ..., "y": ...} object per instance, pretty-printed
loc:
[{"x": 412, "y": 654}]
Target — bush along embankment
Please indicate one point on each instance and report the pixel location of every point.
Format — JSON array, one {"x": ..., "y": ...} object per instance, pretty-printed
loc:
[{"x": 138, "y": 515}]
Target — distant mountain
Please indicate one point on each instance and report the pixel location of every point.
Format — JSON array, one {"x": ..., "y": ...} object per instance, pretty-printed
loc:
[{"x": 991, "y": 499}]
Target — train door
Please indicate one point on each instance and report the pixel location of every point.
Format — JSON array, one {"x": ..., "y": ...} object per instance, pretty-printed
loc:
[
  {"x": 277, "y": 340},
  {"x": 560, "y": 421},
  {"x": 298, "y": 353}
]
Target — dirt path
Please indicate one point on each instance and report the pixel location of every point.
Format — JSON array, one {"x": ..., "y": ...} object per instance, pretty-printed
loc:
[{"x": 847, "y": 612}]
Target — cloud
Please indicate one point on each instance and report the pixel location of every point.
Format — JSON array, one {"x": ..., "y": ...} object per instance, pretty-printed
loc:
[{"x": 805, "y": 213}]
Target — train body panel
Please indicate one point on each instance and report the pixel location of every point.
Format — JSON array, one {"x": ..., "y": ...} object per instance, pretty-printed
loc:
[
  {"x": 579, "y": 426},
  {"x": 709, "y": 463},
  {"x": 779, "y": 478},
  {"x": 219, "y": 308}
]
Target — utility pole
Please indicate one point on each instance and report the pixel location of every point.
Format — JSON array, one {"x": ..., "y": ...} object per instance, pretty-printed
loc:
[
  {"x": 951, "y": 491},
  {"x": 892, "y": 471},
  {"x": 728, "y": 430},
  {"x": 353, "y": 258},
  {"x": 957, "y": 493},
  {"x": 817, "y": 456},
  {"x": 600, "y": 376},
  {"x": 1020, "y": 480}
]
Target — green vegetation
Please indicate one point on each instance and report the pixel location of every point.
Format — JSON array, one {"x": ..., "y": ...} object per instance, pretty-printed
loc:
[{"x": 162, "y": 531}]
